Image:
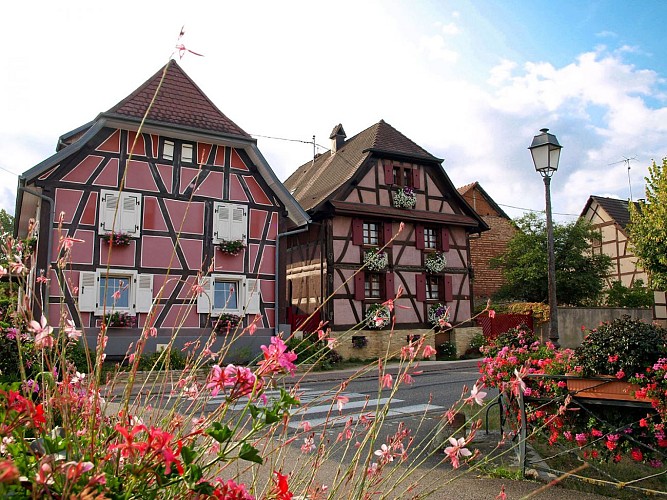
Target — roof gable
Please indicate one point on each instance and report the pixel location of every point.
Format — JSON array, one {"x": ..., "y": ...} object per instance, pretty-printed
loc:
[
  {"x": 314, "y": 181},
  {"x": 179, "y": 102},
  {"x": 616, "y": 209},
  {"x": 468, "y": 192}
]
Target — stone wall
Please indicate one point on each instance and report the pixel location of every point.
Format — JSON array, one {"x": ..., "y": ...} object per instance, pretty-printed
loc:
[
  {"x": 378, "y": 342},
  {"x": 461, "y": 338}
]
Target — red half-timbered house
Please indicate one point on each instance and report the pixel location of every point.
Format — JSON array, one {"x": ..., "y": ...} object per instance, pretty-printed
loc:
[
  {"x": 358, "y": 194},
  {"x": 175, "y": 187}
]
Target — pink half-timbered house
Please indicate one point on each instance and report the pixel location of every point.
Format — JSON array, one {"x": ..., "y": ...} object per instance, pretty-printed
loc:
[
  {"x": 357, "y": 195},
  {"x": 185, "y": 184}
]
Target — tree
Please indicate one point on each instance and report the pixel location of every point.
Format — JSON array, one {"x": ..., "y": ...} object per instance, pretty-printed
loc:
[
  {"x": 579, "y": 273},
  {"x": 648, "y": 227},
  {"x": 636, "y": 295},
  {"x": 6, "y": 222}
]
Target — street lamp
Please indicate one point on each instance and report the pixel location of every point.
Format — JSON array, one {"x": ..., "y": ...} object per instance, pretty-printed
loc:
[{"x": 546, "y": 153}]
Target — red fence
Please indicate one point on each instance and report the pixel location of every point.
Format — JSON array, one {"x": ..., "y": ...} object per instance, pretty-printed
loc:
[{"x": 492, "y": 327}]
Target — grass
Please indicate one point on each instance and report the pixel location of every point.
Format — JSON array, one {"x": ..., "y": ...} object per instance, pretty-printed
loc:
[{"x": 621, "y": 473}]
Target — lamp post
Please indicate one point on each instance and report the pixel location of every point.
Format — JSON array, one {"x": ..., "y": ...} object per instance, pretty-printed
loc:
[{"x": 546, "y": 153}]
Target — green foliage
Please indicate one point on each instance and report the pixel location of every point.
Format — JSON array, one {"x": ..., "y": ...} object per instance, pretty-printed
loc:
[
  {"x": 160, "y": 361},
  {"x": 447, "y": 350},
  {"x": 637, "y": 295},
  {"x": 6, "y": 222},
  {"x": 579, "y": 275},
  {"x": 622, "y": 348},
  {"x": 314, "y": 352},
  {"x": 648, "y": 227}
]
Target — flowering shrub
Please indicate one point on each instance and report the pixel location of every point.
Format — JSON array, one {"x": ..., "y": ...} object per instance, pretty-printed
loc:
[
  {"x": 375, "y": 260},
  {"x": 377, "y": 316},
  {"x": 435, "y": 262},
  {"x": 653, "y": 383},
  {"x": 116, "y": 239},
  {"x": 405, "y": 198},
  {"x": 438, "y": 315},
  {"x": 119, "y": 319},
  {"x": 621, "y": 348},
  {"x": 231, "y": 247}
]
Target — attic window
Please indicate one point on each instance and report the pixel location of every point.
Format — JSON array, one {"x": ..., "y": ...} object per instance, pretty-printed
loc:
[
  {"x": 168, "y": 150},
  {"x": 186, "y": 153}
]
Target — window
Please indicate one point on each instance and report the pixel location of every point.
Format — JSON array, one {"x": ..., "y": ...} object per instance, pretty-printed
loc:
[
  {"x": 403, "y": 176},
  {"x": 225, "y": 294},
  {"x": 372, "y": 286},
  {"x": 432, "y": 288},
  {"x": 430, "y": 238},
  {"x": 371, "y": 233},
  {"x": 230, "y": 222},
  {"x": 133, "y": 292},
  {"x": 186, "y": 153},
  {"x": 120, "y": 212},
  {"x": 168, "y": 150},
  {"x": 229, "y": 293}
]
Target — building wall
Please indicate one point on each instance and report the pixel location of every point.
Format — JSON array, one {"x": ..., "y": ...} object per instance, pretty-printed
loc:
[
  {"x": 485, "y": 247},
  {"x": 177, "y": 198}
]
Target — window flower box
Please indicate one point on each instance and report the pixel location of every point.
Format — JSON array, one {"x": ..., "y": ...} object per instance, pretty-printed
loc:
[
  {"x": 226, "y": 322},
  {"x": 231, "y": 247},
  {"x": 119, "y": 320},
  {"x": 375, "y": 260},
  {"x": 435, "y": 262},
  {"x": 116, "y": 239},
  {"x": 405, "y": 198},
  {"x": 377, "y": 316}
]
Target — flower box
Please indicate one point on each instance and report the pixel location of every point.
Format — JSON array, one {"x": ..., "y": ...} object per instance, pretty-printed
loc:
[
  {"x": 375, "y": 260},
  {"x": 231, "y": 247},
  {"x": 405, "y": 198},
  {"x": 116, "y": 239},
  {"x": 603, "y": 387}
]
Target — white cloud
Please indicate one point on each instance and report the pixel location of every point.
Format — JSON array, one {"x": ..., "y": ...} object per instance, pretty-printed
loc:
[{"x": 436, "y": 48}]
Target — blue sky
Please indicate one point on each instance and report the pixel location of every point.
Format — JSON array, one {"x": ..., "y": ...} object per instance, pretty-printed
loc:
[{"x": 471, "y": 82}]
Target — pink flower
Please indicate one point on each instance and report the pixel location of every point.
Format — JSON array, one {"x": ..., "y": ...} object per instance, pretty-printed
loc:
[
  {"x": 306, "y": 426},
  {"x": 341, "y": 401},
  {"x": 216, "y": 380},
  {"x": 477, "y": 396},
  {"x": 68, "y": 242},
  {"x": 387, "y": 381},
  {"x": 620, "y": 374},
  {"x": 580, "y": 439},
  {"x": 613, "y": 358},
  {"x": 429, "y": 351},
  {"x": 42, "y": 332},
  {"x": 308, "y": 445},
  {"x": 71, "y": 331},
  {"x": 385, "y": 454},
  {"x": 492, "y": 313},
  {"x": 457, "y": 450},
  {"x": 277, "y": 358}
]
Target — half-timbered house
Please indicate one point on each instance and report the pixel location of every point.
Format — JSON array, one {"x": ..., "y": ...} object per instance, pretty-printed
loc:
[
  {"x": 164, "y": 197},
  {"x": 379, "y": 191},
  {"x": 610, "y": 217}
]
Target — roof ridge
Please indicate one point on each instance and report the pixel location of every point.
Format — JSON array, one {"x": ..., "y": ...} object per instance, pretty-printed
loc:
[{"x": 179, "y": 101}]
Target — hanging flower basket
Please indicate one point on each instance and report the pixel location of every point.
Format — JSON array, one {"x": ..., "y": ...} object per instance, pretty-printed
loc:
[
  {"x": 375, "y": 260},
  {"x": 438, "y": 315},
  {"x": 435, "y": 262},
  {"x": 377, "y": 316},
  {"x": 231, "y": 247},
  {"x": 117, "y": 239},
  {"x": 405, "y": 198}
]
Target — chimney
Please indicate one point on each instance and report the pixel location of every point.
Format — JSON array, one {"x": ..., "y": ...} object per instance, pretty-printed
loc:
[{"x": 337, "y": 138}]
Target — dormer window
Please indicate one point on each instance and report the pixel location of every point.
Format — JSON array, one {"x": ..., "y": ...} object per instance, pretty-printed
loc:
[{"x": 403, "y": 176}]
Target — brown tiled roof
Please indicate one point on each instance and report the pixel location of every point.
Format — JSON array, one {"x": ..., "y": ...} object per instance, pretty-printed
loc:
[
  {"x": 617, "y": 209},
  {"x": 179, "y": 102},
  {"x": 314, "y": 181}
]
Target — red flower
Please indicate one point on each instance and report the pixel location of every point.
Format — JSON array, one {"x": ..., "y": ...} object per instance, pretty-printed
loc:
[
  {"x": 281, "y": 488},
  {"x": 637, "y": 455}
]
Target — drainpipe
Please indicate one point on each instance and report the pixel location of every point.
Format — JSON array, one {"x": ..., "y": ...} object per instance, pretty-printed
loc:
[
  {"x": 52, "y": 216},
  {"x": 277, "y": 287}
]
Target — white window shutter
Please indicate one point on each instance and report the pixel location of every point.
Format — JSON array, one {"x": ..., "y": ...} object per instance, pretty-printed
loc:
[
  {"x": 239, "y": 223},
  {"x": 222, "y": 222},
  {"x": 131, "y": 211},
  {"x": 252, "y": 296},
  {"x": 144, "y": 293},
  {"x": 108, "y": 203},
  {"x": 205, "y": 300},
  {"x": 87, "y": 291}
]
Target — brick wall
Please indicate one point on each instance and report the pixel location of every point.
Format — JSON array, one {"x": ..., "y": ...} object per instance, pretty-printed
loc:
[{"x": 490, "y": 244}]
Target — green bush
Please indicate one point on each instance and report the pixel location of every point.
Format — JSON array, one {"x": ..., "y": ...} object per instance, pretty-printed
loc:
[
  {"x": 314, "y": 352},
  {"x": 160, "y": 361},
  {"x": 637, "y": 295},
  {"x": 622, "y": 348},
  {"x": 447, "y": 350}
]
